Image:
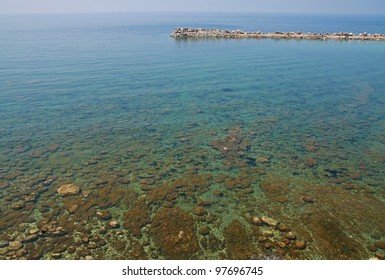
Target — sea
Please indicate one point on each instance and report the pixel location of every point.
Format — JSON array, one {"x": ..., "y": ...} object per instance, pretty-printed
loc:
[{"x": 120, "y": 142}]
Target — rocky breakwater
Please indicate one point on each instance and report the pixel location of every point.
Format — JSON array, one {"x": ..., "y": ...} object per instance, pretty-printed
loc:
[{"x": 201, "y": 33}]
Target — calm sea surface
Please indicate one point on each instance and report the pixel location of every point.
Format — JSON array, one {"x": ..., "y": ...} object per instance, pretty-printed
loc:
[{"x": 190, "y": 149}]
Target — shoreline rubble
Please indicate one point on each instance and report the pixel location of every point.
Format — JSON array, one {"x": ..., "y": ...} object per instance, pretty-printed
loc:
[{"x": 203, "y": 33}]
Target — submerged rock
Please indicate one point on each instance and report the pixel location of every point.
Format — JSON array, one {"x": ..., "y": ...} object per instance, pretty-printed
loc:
[
  {"x": 68, "y": 190},
  {"x": 310, "y": 162},
  {"x": 31, "y": 238},
  {"x": 173, "y": 232},
  {"x": 238, "y": 241},
  {"x": 15, "y": 245},
  {"x": 114, "y": 224},
  {"x": 300, "y": 245},
  {"x": 200, "y": 211},
  {"x": 262, "y": 160},
  {"x": 257, "y": 221},
  {"x": 18, "y": 206},
  {"x": 3, "y": 251},
  {"x": 103, "y": 215},
  {"x": 53, "y": 148},
  {"x": 307, "y": 199},
  {"x": 3, "y": 185},
  {"x": 269, "y": 221},
  {"x": 137, "y": 217}
]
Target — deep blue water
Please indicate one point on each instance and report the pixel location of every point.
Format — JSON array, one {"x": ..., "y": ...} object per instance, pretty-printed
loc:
[{"x": 117, "y": 95}]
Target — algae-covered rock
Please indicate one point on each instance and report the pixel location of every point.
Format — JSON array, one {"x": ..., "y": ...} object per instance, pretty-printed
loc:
[
  {"x": 174, "y": 233},
  {"x": 238, "y": 241}
]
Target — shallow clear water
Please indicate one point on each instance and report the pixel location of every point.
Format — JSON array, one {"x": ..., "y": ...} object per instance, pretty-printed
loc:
[{"x": 185, "y": 143}]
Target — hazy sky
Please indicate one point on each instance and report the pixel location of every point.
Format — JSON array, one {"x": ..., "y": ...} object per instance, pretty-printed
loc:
[{"x": 310, "y": 6}]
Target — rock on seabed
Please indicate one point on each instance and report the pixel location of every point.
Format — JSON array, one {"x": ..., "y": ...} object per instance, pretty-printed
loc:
[
  {"x": 269, "y": 221},
  {"x": 68, "y": 190}
]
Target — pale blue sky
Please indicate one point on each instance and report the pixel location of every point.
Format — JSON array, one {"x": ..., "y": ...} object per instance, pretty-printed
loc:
[{"x": 302, "y": 6}]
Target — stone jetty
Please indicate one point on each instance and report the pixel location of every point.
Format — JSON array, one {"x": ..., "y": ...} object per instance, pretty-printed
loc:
[{"x": 202, "y": 33}]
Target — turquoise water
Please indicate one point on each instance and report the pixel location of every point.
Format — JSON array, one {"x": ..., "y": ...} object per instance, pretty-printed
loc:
[{"x": 185, "y": 143}]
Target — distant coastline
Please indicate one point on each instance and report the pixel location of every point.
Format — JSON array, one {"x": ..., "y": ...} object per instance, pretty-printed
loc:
[{"x": 201, "y": 33}]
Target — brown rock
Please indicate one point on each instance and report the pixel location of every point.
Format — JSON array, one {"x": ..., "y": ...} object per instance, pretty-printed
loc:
[
  {"x": 15, "y": 245},
  {"x": 238, "y": 241},
  {"x": 205, "y": 230},
  {"x": 372, "y": 248},
  {"x": 268, "y": 245},
  {"x": 137, "y": 217},
  {"x": 299, "y": 245},
  {"x": 173, "y": 232},
  {"x": 311, "y": 145},
  {"x": 281, "y": 252},
  {"x": 85, "y": 240},
  {"x": 310, "y": 162},
  {"x": 145, "y": 188},
  {"x": 92, "y": 245},
  {"x": 71, "y": 250},
  {"x": 204, "y": 203},
  {"x": 20, "y": 253},
  {"x": 380, "y": 245},
  {"x": 268, "y": 233},
  {"x": 276, "y": 188},
  {"x": 31, "y": 238},
  {"x": 3, "y": 251},
  {"x": 103, "y": 215},
  {"x": 307, "y": 199},
  {"x": 3, "y": 185},
  {"x": 290, "y": 235},
  {"x": 114, "y": 224},
  {"x": 257, "y": 221},
  {"x": 53, "y": 148},
  {"x": 72, "y": 208},
  {"x": 36, "y": 153},
  {"x": 18, "y": 206},
  {"x": 124, "y": 180},
  {"x": 283, "y": 228},
  {"x": 56, "y": 255},
  {"x": 356, "y": 176},
  {"x": 248, "y": 191},
  {"x": 269, "y": 221},
  {"x": 168, "y": 204},
  {"x": 200, "y": 211},
  {"x": 101, "y": 243},
  {"x": 68, "y": 190},
  {"x": 262, "y": 160}
]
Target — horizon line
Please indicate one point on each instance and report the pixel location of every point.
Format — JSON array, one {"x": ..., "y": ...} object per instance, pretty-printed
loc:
[{"x": 186, "y": 12}]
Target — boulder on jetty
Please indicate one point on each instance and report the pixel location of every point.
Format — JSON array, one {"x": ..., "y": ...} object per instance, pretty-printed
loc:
[{"x": 201, "y": 33}]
